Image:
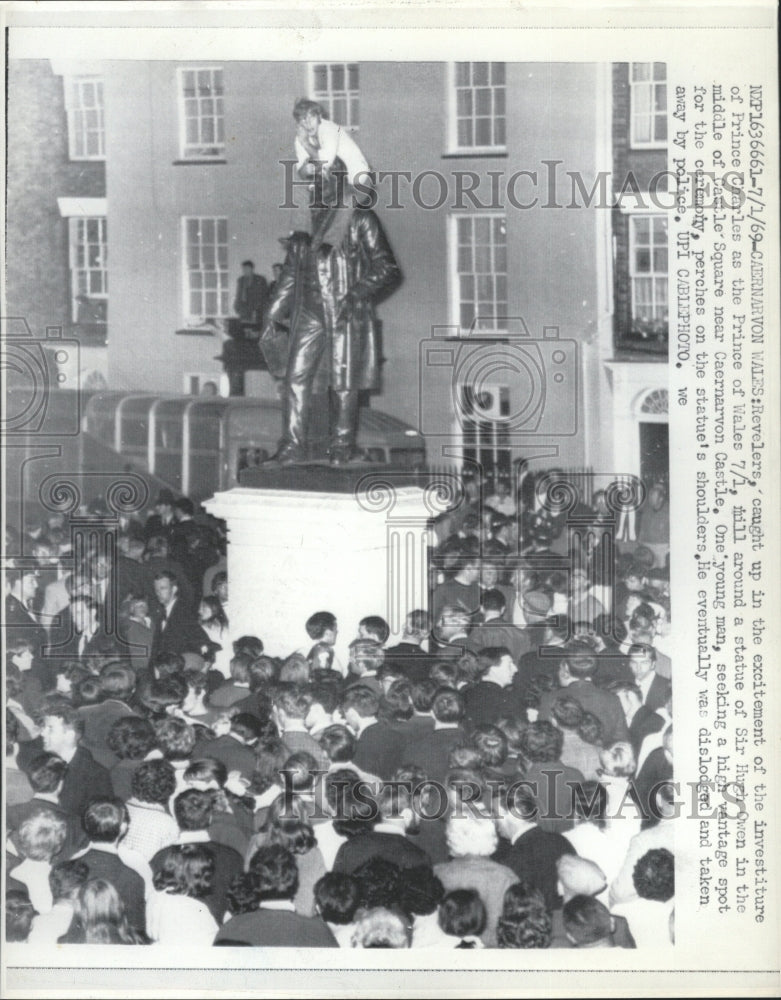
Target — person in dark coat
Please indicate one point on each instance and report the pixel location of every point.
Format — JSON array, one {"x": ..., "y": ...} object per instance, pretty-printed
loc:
[
  {"x": 274, "y": 923},
  {"x": 388, "y": 838},
  {"x": 176, "y": 629},
  {"x": 194, "y": 811},
  {"x": 493, "y": 696},
  {"x": 526, "y": 849},
  {"x": 61, "y": 731},
  {"x": 106, "y": 822},
  {"x": 249, "y": 303}
]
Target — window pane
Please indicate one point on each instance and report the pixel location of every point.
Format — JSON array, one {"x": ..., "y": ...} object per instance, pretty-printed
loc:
[
  {"x": 641, "y": 227},
  {"x": 462, "y": 74},
  {"x": 660, "y": 230},
  {"x": 467, "y": 315},
  {"x": 482, "y": 230},
  {"x": 337, "y": 77},
  {"x": 339, "y": 110},
  {"x": 464, "y": 259},
  {"x": 465, "y": 132},
  {"x": 660, "y": 97},
  {"x": 497, "y": 72},
  {"x": 463, "y": 102},
  {"x": 467, "y": 287},
  {"x": 500, "y": 137},
  {"x": 222, "y": 230},
  {"x": 660, "y": 260},
  {"x": 479, "y": 73},
  {"x": 641, "y": 71},
  {"x": 642, "y": 259},
  {"x": 483, "y": 132},
  {"x": 483, "y": 101},
  {"x": 464, "y": 230},
  {"x": 660, "y": 131},
  {"x": 320, "y": 75},
  {"x": 660, "y": 71},
  {"x": 485, "y": 286},
  {"x": 352, "y": 76}
]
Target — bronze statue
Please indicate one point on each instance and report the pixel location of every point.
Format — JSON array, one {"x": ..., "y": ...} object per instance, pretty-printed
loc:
[{"x": 326, "y": 292}]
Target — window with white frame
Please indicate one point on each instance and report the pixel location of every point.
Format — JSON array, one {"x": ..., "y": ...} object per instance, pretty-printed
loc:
[
  {"x": 84, "y": 107},
  {"x": 89, "y": 269},
  {"x": 201, "y": 113},
  {"x": 478, "y": 255},
  {"x": 648, "y": 271},
  {"x": 478, "y": 119},
  {"x": 648, "y": 104},
  {"x": 206, "y": 280},
  {"x": 335, "y": 86}
]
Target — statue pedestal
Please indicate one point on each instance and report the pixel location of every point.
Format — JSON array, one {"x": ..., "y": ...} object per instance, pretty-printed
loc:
[{"x": 358, "y": 549}]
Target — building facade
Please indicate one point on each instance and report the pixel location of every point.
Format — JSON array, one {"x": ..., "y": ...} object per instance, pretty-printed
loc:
[{"x": 528, "y": 322}]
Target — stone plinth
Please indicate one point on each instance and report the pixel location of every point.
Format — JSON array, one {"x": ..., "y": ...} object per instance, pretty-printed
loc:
[{"x": 360, "y": 549}]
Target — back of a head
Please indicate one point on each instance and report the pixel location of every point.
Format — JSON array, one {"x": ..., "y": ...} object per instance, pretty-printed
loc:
[
  {"x": 175, "y": 738},
  {"x": 528, "y": 926},
  {"x": 420, "y": 891},
  {"x": 462, "y": 913},
  {"x": 579, "y": 876},
  {"x": 275, "y": 871},
  {"x": 338, "y": 743},
  {"x": 154, "y": 781},
  {"x": 379, "y": 882},
  {"x": 654, "y": 875},
  {"x": 240, "y": 667},
  {"x": 448, "y": 706},
  {"x": 542, "y": 742},
  {"x": 381, "y": 928},
  {"x": 131, "y": 738},
  {"x": 41, "y": 836},
  {"x": 491, "y": 743},
  {"x": 567, "y": 712},
  {"x": 580, "y": 659},
  {"x": 104, "y": 819},
  {"x": 46, "y": 772},
  {"x": 376, "y": 628},
  {"x": 193, "y": 809},
  {"x": 66, "y": 878},
  {"x": 337, "y": 897},
  {"x": 471, "y": 835},
  {"x": 362, "y": 699},
  {"x": 319, "y": 623},
  {"x": 117, "y": 681},
  {"x": 19, "y": 915},
  {"x": 185, "y": 870},
  {"x": 586, "y": 920}
]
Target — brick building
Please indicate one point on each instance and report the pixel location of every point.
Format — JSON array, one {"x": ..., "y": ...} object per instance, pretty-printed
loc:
[{"x": 487, "y": 221}]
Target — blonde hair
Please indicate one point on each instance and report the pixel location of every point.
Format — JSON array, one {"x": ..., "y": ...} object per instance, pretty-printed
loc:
[
  {"x": 41, "y": 835},
  {"x": 380, "y": 928},
  {"x": 471, "y": 835}
]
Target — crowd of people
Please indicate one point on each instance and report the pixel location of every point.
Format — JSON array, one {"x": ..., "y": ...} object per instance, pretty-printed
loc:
[{"x": 498, "y": 776}]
